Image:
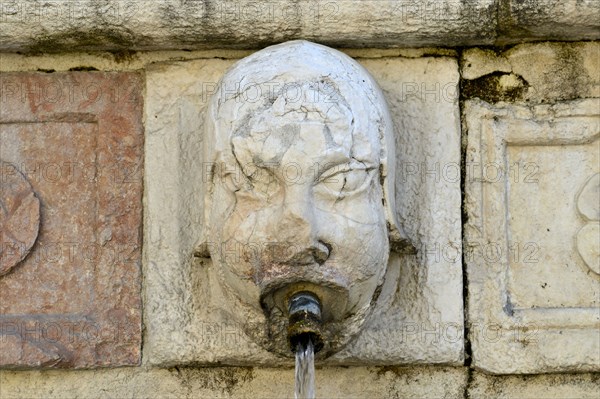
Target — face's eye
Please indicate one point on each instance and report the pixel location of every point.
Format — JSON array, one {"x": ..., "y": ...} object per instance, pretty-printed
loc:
[
  {"x": 343, "y": 181},
  {"x": 250, "y": 181}
]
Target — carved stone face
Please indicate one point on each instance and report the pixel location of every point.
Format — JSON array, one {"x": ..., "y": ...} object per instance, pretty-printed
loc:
[{"x": 297, "y": 200}]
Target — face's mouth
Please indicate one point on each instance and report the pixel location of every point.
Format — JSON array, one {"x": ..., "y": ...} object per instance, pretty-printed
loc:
[
  {"x": 269, "y": 274},
  {"x": 333, "y": 297}
]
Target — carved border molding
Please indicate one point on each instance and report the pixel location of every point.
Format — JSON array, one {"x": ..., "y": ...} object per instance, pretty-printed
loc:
[{"x": 508, "y": 337}]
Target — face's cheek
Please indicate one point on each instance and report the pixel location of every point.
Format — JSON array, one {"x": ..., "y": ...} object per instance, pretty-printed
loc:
[
  {"x": 358, "y": 249},
  {"x": 230, "y": 225},
  {"x": 240, "y": 227},
  {"x": 357, "y": 232}
]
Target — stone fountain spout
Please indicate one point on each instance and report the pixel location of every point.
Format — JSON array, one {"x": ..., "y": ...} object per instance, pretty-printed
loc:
[{"x": 304, "y": 310}]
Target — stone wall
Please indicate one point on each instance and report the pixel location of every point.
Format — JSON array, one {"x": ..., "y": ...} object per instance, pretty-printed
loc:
[
  {"x": 172, "y": 24},
  {"x": 497, "y": 187}
]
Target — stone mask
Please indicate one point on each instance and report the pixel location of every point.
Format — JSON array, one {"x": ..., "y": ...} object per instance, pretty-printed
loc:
[{"x": 300, "y": 194}]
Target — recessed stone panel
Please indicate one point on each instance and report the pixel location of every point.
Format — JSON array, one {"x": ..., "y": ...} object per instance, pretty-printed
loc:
[
  {"x": 71, "y": 299},
  {"x": 531, "y": 240},
  {"x": 186, "y": 317}
]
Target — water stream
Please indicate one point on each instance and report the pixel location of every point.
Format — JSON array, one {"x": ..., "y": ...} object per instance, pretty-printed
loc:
[{"x": 305, "y": 371}]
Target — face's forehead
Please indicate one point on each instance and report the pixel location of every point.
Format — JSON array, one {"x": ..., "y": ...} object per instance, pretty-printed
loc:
[{"x": 304, "y": 134}]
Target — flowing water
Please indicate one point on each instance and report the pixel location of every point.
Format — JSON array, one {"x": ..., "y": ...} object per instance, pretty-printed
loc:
[{"x": 305, "y": 371}]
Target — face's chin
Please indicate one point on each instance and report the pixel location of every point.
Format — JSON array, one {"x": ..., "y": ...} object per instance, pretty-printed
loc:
[{"x": 262, "y": 310}]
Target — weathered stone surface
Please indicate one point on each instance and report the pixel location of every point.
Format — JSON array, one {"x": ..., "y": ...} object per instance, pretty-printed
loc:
[
  {"x": 177, "y": 95},
  {"x": 230, "y": 382},
  {"x": 74, "y": 300},
  {"x": 34, "y": 26},
  {"x": 533, "y": 73},
  {"x": 534, "y": 299},
  {"x": 19, "y": 217},
  {"x": 588, "y": 204},
  {"x": 548, "y": 20},
  {"x": 186, "y": 317},
  {"x": 136, "y": 60},
  {"x": 423, "y": 323},
  {"x": 353, "y": 382},
  {"x": 550, "y": 386},
  {"x": 171, "y": 24}
]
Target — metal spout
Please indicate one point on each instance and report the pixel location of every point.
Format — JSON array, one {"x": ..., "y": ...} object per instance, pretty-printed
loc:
[{"x": 304, "y": 312}]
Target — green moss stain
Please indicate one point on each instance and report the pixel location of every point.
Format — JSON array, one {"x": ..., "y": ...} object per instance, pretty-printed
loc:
[
  {"x": 83, "y": 69},
  {"x": 224, "y": 379},
  {"x": 494, "y": 88},
  {"x": 567, "y": 78},
  {"x": 123, "y": 55},
  {"x": 77, "y": 39}
]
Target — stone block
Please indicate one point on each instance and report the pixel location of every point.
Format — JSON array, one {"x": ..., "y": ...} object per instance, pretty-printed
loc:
[
  {"x": 70, "y": 219},
  {"x": 234, "y": 382},
  {"x": 186, "y": 320},
  {"x": 534, "y": 73},
  {"x": 548, "y": 386},
  {"x": 531, "y": 239},
  {"x": 548, "y": 20},
  {"x": 32, "y": 26}
]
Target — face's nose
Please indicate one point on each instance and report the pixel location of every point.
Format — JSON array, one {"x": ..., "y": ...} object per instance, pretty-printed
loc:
[
  {"x": 318, "y": 252},
  {"x": 298, "y": 228}
]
